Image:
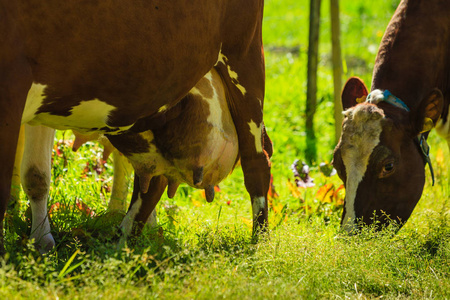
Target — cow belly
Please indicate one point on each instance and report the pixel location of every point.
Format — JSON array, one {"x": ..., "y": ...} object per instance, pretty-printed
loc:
[
  {"x": 200, "y": 147},
  {"x": 84, "y": 116}
]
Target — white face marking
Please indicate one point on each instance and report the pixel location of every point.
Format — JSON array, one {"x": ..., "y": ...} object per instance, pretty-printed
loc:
[
  {"x": 87, "y": 115},
  {"x": 255, "y": 130},
  {"x": 258, "y": 205},
  {"x": 360, "y": 135}
]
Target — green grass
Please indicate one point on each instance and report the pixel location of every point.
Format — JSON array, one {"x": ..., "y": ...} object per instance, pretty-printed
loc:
[{"x": 205, "y": 250}]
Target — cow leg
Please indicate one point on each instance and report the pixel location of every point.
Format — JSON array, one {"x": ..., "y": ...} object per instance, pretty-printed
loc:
[
  {"x": 15, "y": 81},
  {"x": 15, "y": 181},
  {"x": 35, "y": 176},
  {"x": 141, "y": 206},
  {"x": 9, "y": 133},
  {"x": 122, "y": 173},
  {"x": 244, "y": 78}
]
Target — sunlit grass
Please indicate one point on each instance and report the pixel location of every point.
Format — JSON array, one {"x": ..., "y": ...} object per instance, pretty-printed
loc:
[{"x": 204, "y": 250}]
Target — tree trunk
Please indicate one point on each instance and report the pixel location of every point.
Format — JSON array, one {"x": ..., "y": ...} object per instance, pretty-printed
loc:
[
  {"x": 311, "y": 92},
  {"x": 337, "y": 67}
]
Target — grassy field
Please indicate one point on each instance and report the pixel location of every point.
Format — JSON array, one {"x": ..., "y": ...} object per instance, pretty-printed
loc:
[{"x": 204, "y": 250}]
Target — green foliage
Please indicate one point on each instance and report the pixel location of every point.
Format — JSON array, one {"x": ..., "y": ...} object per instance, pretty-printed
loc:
[{"x": 205, "y": 251}]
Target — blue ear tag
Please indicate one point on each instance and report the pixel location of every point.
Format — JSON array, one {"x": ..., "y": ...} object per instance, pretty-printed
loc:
[{"x": 389, "y": 98}]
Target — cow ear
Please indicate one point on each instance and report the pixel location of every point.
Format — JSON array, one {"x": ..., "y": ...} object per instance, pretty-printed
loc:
[
  {"x": 354, "y": 92},
  {"x": 429, "y": 111}
]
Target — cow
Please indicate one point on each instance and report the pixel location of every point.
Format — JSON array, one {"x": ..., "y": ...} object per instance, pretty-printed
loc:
[
  {"x": 117, "y": 68},
  {"x": 383, "y": 150},
  {"x": 197, "y": 144}
]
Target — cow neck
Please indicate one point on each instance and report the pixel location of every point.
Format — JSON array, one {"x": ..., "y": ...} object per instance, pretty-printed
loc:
[{"x": 421, "y": 139}]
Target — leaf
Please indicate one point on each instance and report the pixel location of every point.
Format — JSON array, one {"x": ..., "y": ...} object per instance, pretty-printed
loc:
[
  {"x": 67, "y": 265},
  {"x": 326, "y": 193},
  {"x": 339, "y": 197},
  {"x": 247, "y": 222},
  {"x": 329, "y": 194},
  {"x": 271, "y": 194}
]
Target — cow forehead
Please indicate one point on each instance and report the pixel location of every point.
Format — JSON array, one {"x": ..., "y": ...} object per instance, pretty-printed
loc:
[{"x": 361, "y": 132}]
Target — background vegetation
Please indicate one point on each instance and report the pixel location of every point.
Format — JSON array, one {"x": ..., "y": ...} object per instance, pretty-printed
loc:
[{"x": 204, "y": 250}]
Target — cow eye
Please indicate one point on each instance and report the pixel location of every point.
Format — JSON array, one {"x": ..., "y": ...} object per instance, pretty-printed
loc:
[{"x": 388, "y": 169}]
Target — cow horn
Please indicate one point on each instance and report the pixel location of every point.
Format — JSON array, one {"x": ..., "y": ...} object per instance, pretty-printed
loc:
[
  {"x": 172, "y": 188},
  {"x": 209, "y": 193},
  {"x": 198, "y": 176}
]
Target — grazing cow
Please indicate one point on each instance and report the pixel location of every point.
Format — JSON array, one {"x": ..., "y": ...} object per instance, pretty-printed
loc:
[
  {"x": 197, "y": 144},
  {"x": 383, "y": 147},
  {"x": 118, "y": 67}
]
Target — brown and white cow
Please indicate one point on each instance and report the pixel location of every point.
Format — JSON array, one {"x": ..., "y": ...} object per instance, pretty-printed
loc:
[
  {"x": 383, "y": 150},
  {"x": 196, "y": 144},
  {"x": 116, "y": 67}
]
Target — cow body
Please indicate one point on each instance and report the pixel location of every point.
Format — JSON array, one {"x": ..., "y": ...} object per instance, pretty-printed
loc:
[
  {"x": 116, "y": 68},
  {"x": 380, "y": 154},
  {"x": 198, "y": 147}
]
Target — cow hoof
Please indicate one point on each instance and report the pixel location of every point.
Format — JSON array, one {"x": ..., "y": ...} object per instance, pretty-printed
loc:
[{"x": 45, "y": 244}]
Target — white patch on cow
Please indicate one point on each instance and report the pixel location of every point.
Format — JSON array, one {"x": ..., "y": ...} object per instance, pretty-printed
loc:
[
  {"x": 150, "y": 163},
  {"x": 163, "y": 108},
  {"x": 258, "y": 206},
  {"x": 255, "y": 130},
  {"x": 360, "y": 135},
  {"x": 85, "y": 116},
  {"x": 35, "y": 98},
  {"x": 221, "y": 59},
  {"x": 128, "y": 220},
  {"x": 215, "y": 110},
  {"x": 233, "y": 75},
  {"x": 40, "y": 226},
  {"x": 122, "y": 175}
]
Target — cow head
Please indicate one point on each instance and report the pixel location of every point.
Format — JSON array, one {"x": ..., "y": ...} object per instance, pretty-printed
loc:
[{"x": 378, "y": 156}]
